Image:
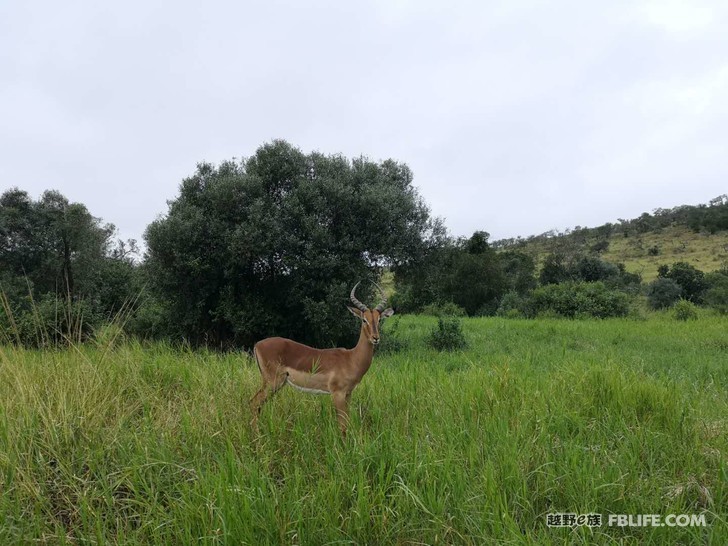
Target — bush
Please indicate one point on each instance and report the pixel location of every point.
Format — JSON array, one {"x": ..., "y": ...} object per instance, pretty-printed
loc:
[
  {"x": 591, "y": 268},
  {"x": 690, "y": 279},
  {"x": 519, "y": 270},
  {"x": 512, "y": 305},
  {"x": 392, "y": 340},
  {"x": 49, "y": 322},
  {"x": 403, "y": 299},
  {"x": 473, "y": 278},
  {"x": 631, "y": 283},
  {"x": 717, "y": 295},
  {"x": 685, "y": 310},
  {"x": 553, "y": 271},
  {"x": 447, "y": 335},
  {"x": 663, "y": 293},
  {"x": 579, "y": 299},
  {"x": 600, "y": 246},
  {"x": 447, "y": 309}
]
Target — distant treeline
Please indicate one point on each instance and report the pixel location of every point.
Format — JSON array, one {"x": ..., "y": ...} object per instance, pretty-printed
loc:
[
  {"x": 272, "y": 245},
  {"x": 709, "y": 218}
]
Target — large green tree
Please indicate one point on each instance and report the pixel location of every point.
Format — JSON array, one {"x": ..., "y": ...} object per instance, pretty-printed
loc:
[
  {"x": 519, "y": 270},
  {"x": 272, "y": 245},
  {"x": 467, "y": 272},
  {"x": 55, "y": 254},
  {"x": 474, "y": 277},
  {"x": 55, "y": 245}
]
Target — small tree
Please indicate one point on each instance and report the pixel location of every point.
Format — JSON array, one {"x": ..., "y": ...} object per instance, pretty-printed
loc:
[
  {"x": 600, "y": 246},
  {"x": 717, "y": 293},
  {"x": 466, "y": 272},
  {"x": 663, "y": 293},
  {"x": 447, "y": 335},
  {"x": 690, "y": 279},
  {"x": 519, "y": 271},
  {"x": 513, "y": 305},
  {"x": 591, "y": 268},
  {"x": 554, "y": 270},
  {"x": 58, "y": 269},
  {"x": 474, "y": 279},
  {"x": 685, "y": 310}
]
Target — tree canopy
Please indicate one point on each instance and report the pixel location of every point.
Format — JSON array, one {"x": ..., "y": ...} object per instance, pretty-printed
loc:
[
  {"x": 55, "y": 254},
  {"x": 273, "y": 244},
  {"x": 466, "y": 272}
]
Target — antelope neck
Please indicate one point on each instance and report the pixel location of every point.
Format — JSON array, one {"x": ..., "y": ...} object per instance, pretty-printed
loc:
[{"x": 364, "y": 350}]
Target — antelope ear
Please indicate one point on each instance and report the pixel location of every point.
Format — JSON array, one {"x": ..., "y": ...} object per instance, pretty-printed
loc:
[
  {"x": 354, "y": 311},
  {"x": 386, "y": 313}
]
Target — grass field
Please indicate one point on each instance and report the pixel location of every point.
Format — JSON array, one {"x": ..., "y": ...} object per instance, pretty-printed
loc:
[
  {"x": 151, "y": 445},
  {"x": 674, "y": 244}
]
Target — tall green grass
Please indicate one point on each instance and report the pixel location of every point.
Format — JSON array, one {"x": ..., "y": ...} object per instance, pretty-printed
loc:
[{"x": 148, "y": 444}]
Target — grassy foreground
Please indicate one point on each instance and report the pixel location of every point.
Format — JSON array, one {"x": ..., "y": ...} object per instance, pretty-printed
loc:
[{"x": 150, "y": 445}]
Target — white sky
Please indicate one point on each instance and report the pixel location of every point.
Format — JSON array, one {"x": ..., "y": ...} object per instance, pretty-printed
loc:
[{"x": 516, "y": 116}]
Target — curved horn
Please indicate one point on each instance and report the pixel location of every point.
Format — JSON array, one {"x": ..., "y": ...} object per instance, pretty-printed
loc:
[
  {"x": 382, "y": 304},
  {"x": 359, "y": 305}
]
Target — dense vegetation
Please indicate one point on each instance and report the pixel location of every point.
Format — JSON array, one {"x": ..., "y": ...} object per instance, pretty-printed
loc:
[
  {"x": 682, "y": 234},
  {"x": 60, "y": 269},
  {"x": 144, "y": 444},
  {"x": 113, "y": 429},
  {"x": 271, "y": 245}
]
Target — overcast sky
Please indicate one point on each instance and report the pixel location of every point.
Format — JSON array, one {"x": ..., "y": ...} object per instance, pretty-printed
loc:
[{"x": 516, "y": 116}]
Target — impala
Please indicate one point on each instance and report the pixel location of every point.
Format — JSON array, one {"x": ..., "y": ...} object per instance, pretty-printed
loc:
[{"x": 320, "y": 371}]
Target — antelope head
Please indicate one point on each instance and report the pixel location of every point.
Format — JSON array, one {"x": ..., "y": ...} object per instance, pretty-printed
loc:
[{"x": 370, "y": 318}]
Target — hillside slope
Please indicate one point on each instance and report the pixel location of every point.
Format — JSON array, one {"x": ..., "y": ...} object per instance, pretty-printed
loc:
[
  {"x": 693, "y": 234},
  {"x": 707, "y": 252}
]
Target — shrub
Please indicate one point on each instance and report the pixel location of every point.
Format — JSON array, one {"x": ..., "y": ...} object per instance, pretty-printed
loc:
[
  {"x": 392, "y": 340},
  {"x": 717, "y": 295},
  {"x": 447, "y": 309},
  {"x": 519, "y": 270},
  {"x": 625, "y": 281},
  {"x": 685, "y": 310},
  {"x": 512, "y": 305},
  {"x": 600, "y": 246},
  {"x": 447, "y": 335},
  {"x": 403, "y": 299},
  {"x": 50, "y": 321},
  {"x": 473, "y": 278},
  {"x": 148, "y": 321},
  {"x": 579, "y": 299},
  {"x": 591, "y": 268},
  {"x": 554, "y": 270},
  {"x": 663, "y": 292},
  {"x": 690, "y": 279}
]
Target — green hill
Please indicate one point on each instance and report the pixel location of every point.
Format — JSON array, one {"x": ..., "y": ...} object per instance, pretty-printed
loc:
[
  {"x": 707, "y": 252},
  {"x": 697, "y": 235}
]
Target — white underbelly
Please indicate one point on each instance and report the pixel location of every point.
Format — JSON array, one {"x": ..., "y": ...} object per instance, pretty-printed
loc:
[{"x": 306, "y": 389}]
